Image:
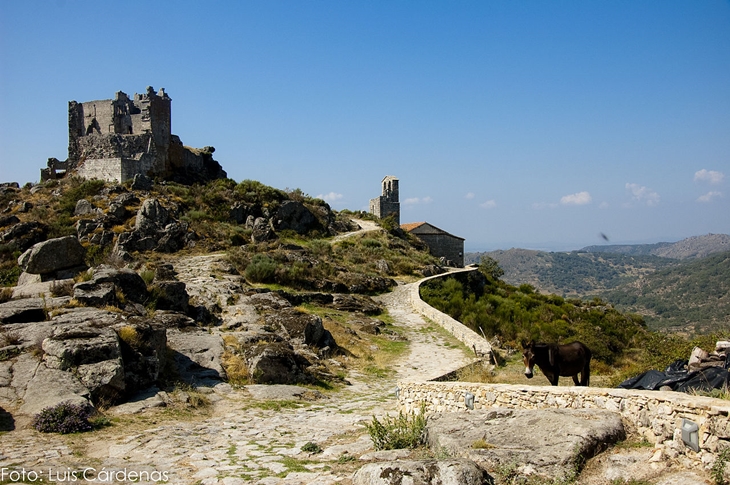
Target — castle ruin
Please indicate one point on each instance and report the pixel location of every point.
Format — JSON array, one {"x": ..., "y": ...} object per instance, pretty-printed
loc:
[
  {"x": 387, "y": 204},
  {"x": 115, "y": 139}
]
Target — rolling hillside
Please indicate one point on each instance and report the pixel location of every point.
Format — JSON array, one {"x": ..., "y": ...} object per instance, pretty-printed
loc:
[{"x": 680, "y": 287}]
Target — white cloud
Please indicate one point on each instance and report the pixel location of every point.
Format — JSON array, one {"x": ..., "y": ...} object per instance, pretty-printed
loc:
[
  {"x": 709, "y": 196},
  {"x": 331, "y": 197},
  {"x": 490, "y": 204},
  {"x": 580, "y": 198},
  {"x": 711, "y": 176},
  {"x": 470, "y": 195},
  {"x": 643, "y": 194},
  {"x": 417, "y": 200},
  {"x": 604, "y": 205}
]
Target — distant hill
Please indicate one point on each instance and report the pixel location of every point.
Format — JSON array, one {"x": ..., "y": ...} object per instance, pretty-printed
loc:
[
  {"x": 693, "y": 247},
  {"x": 693, "y": 297},
  {"x": 574, "y": 274},
  {"x": 682, "y": 286}
]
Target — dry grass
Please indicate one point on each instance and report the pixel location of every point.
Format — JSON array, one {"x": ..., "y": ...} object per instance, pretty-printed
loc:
[
  {"x": 232, "y": 362},
  {"x": 130, "y": 335}
]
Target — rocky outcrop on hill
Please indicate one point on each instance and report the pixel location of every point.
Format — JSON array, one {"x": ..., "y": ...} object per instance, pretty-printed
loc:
[
  {"x": 52, "y": 256},
  {"x": 545, "y": 443}
]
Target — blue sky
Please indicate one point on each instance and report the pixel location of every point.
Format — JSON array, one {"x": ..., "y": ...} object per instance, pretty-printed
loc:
[{"x": 512, "y": 124}]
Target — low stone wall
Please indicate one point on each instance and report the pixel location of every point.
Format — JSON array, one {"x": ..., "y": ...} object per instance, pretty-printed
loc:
[
  {"x": 657, "y": 416},
  {"x": 463, "y": 333}
]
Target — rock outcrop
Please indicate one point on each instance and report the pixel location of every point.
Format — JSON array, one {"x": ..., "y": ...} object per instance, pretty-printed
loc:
[
  {"x": 548, "y": 443},
  {"x": 52, "y": 256},
  {"x": 422, "y": 472}
]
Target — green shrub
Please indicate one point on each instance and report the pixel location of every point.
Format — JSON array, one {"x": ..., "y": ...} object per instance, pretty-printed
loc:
[
  {"x": 311, "y": 447},
  {"x": 261, "y": 269},
  {"x": 403, "y": 431},
  {"x": 64, "y": 418}
]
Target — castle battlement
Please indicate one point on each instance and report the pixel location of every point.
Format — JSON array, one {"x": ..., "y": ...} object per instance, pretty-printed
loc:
[{"x": 115, "y": 139}]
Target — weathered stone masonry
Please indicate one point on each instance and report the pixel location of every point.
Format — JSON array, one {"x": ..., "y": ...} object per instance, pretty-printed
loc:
[
  {"x": 387, "y": 204},
  {"x": 116, "y": 139},
  {"x": 655, "y": 415}
]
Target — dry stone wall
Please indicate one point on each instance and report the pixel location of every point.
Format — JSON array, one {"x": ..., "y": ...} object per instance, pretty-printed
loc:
[
  {"x": 467, "y": 336},
  {"x": 657, "y": 416}
]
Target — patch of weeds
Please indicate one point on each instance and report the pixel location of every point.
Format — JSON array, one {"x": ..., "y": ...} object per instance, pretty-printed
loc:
[
  {"x": 62, "y": 288},
  {"x": 191, "y": 396},
  {"x": 718, "y": 468},
  {"x": 630, "y": 444},
  {"x": 480, "y": 444},
  {"x": 376, "y": 371},
  {"x": 294, "y": 465},
  {"x": 7, "y": 354},
  {"x": 345, "y": 458},
  {"x": 402, "y": 431},
  {"x": 130, "y": 336},
  {"x": 6, "y": 294},
  {"x": 9, "y": 337},
  {"x": 312, "y": 448},
  {"x": 148, "y": 276}
]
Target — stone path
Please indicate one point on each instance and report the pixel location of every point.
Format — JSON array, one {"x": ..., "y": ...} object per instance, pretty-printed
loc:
[{"x": 244, "y": 440}]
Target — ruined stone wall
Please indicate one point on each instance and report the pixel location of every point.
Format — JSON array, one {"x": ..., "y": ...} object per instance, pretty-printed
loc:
[
  {"x": 116, "y": 139},
  {"x": 655, "y": 415}
]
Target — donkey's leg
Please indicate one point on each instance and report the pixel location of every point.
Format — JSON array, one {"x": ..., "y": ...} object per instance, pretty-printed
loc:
[
  {"x": 575, "y": 379},
  {"x": 585, "y": 376}
]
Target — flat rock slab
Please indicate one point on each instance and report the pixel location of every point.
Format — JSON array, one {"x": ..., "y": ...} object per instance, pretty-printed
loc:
[
  {"x": 282, "y": 392},
  {"x": 551, "y": 443},
  {"x": 422, "y": 472}
]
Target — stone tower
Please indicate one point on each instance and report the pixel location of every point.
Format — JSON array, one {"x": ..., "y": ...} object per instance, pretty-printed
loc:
[{"x": 387, "y": 204}]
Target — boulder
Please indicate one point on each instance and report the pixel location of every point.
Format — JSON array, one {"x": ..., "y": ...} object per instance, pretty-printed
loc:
[
  {"x": 104, "y": 380},
  {"x": 300, "y": 328},
  {"x": 295, "y": 216},
  {"x": 549, "y": 443},
  {"x": 73, "y": 345},
  {"x": 144, "y": 353},
  {"x": 53, "y": 255},
  {"x": 9, "y": 220},
  {"x": 262, "y": 231},
  {"x": 95, "y": 294},
  {"x": 116, "y": 212},
  {"x": 172, "y": 295},
  {"x": 356, "y": 303},
  {"x": 49, "y": 387},
  {"x": 275, "y": 363},
  {"x": 175, "y": 236},
  {"x": 422, "y": 472},
  {"x": 84, "y": 207},
  {"x": 361, "y": 283},
  {"x": 197, "y": 354},
  {"x": 151, "y": 217},
  {"x": 23, "y": 311},
  {"x": 141, "y": 182},
  {"x": 106, "y": 281},
  {"x": 24, "y": 235}
]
